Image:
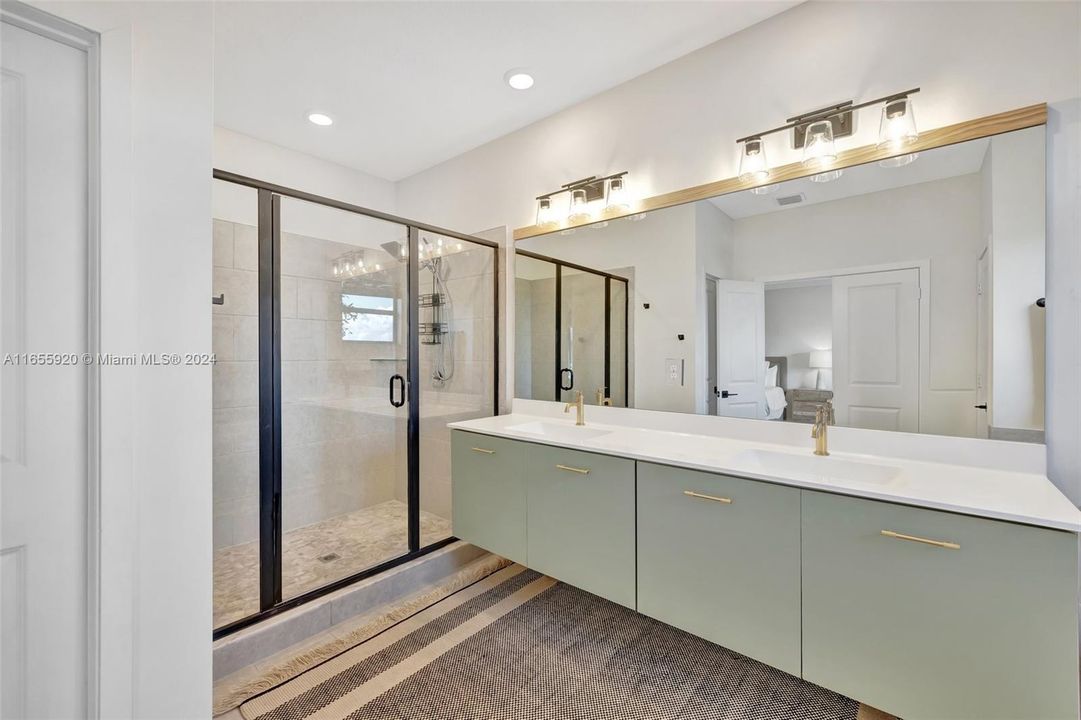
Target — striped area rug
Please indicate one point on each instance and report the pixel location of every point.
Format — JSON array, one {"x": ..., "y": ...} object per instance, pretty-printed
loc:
[{"x": 521, "y": 646}]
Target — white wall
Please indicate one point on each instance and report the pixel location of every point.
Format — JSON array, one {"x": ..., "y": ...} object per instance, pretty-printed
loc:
[
  {"x": 1063, "y": 417},
  {"x": 245, "y": 155},
  {"x": 676, "y": 126},
  {"x": 799, "y": 320},
  {"x": 1015, "y": 183},
  {"x": 156, "y": 116}
]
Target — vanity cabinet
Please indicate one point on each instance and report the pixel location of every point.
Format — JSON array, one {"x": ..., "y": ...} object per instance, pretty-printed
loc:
[
  {"x": 580, "y": 510},
  {"x": 719, "y": 557},
  {"x": 981, "y": 625},
  {"x": 489, "y": 493},
  {"x": 923, "y": 613}
]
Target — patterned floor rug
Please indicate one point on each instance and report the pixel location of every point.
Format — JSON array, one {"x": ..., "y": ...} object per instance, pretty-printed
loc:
[{"x": 521, "y": 646}]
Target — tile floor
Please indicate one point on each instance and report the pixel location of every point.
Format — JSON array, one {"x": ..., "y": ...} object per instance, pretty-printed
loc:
[{"x": 359, "y": 539}]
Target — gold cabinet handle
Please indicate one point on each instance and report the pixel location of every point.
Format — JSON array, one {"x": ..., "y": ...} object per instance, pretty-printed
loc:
[
  {"x": 568, "y": 468},
  {"x": 714, "y": 498},
  {"x": 483, "y": 450},
  {"x": 925, "y": 541}
]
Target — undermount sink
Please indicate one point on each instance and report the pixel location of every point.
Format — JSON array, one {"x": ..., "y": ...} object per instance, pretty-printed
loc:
[
  {"x": 559, "y": 431},
  {"x": 768, "y": 461}
]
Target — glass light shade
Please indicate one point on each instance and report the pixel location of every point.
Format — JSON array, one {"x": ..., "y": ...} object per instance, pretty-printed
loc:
[
  {"x": 580, "y": 207},
  {"x": 818, "y": 147},
  {"x": 752, "y": 161},
  {"x": 618, "y": 197},
  {"x": 899, "y": 160},
  {"x": 898, "y": 125},
  {"x": 545, "y": 212},
  {"x": 828, "y": 176}
]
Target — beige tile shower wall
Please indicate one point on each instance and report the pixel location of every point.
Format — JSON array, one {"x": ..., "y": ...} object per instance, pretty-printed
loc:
[
  {"x": 236, "y": 386},
  {"x": 343, "y": 445}
]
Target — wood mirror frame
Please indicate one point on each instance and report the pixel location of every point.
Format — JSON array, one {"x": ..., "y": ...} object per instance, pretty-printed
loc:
[{"x": 1026, "y": 117}]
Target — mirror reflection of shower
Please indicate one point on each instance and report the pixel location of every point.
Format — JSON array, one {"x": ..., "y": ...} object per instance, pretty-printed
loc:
[{"x": 436, "y": 306}]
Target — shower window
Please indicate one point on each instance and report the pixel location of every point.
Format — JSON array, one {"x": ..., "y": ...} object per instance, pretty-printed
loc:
[
  {"x": 368, "y": 318},
  {"x": 347, "y": 340}
]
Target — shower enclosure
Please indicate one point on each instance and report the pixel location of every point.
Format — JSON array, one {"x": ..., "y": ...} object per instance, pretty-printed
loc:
[
  {"x": 571, "y": 331},
  {"x": 345, "y": 341}
]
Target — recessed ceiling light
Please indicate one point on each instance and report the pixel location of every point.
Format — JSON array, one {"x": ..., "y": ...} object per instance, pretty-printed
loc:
[
  {"x": 518, "y": 79},
  {"x": 320, "y": 119}
]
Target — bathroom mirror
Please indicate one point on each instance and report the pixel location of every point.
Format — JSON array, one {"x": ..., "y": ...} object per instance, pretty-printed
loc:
[{"x": 908, "y": 295}]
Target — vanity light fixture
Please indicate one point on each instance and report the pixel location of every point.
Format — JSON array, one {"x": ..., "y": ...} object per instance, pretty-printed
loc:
[
  {"x": 546, "y": 215},
  {"x": 898, "y": 125},
  {"x": 580, "y": 206},
  {"x": 589, "y": 198},
  {"x": 817, "y": 132},
  {"x": 896, "y": 129},
  {"x": 752, "y": 161},
  {"x": 616, "y": 199},
  {"x": 819, "y": 149}
]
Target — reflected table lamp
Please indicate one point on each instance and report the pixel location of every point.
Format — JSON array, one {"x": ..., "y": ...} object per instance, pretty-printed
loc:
[{"x": 820, "y": 359}]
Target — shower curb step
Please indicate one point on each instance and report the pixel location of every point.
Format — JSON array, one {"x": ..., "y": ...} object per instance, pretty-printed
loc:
[{"x": 256, "y": 644}]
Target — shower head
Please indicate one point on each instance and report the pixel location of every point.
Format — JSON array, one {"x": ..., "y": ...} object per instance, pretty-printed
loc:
[{"x": 395, "y": 250}]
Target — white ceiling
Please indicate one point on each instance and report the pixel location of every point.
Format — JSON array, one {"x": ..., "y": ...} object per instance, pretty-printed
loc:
[
  {"x": 411, "y": 84},
  {"x": 938, "y": 164}
]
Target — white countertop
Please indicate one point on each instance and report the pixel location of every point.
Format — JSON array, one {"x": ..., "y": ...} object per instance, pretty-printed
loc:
[{"x": 1002, "y": 495}]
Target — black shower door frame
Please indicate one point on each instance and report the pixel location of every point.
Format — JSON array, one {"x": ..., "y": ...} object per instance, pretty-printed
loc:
[
  {"x": 609, "y": 278},
  {"x": 270, "y": 403}
]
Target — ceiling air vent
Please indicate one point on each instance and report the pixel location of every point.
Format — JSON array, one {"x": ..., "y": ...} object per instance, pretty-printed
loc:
[{"x": 790, "y": 199}]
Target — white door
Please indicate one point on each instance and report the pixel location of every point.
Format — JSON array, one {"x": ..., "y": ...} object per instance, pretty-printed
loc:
[
  {"x": 876, "y": 350},
  {"x": 741, "y": 349},
  {"x": 43, "y": 407},
  {"x": 711, "y": 346},
  {"x": 983, "y": 344}
]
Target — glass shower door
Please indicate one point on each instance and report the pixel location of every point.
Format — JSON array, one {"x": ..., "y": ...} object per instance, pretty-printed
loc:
[
  {"x": 344, "y": 310},
  {"x": 582, "y": 346},
  {"x": 456, "y": 285}
]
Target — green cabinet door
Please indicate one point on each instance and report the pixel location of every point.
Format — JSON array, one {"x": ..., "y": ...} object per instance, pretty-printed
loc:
[
  {"x": 489, "y": 493},
  {"x": 581, "y": 520},
  {"x": 980, "y": 626},
  {"x": 719, "y": 557}
]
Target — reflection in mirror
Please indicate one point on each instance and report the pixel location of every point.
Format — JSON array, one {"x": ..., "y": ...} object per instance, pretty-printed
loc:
[
  {"x": 904, "y": 295},
  {"x": 570, "y": 331}
]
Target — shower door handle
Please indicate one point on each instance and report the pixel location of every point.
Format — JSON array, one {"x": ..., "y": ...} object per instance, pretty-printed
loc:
[
  {"x": 571, "y": 383},
  {"x": 401, "y": 388}
]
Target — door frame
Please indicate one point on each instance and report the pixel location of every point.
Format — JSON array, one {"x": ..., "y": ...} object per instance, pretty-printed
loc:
[
  {"x": 923, "y": 267},
  {"x": 54, "y": 28},
  {"x": 269, "y": 232}
]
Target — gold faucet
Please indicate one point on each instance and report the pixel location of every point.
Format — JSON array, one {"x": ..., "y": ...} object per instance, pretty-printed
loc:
[
  {"x": 601, "y": 399},
  {"x": 819, "y": 431},
  {"x": 580, "y": 404}
]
